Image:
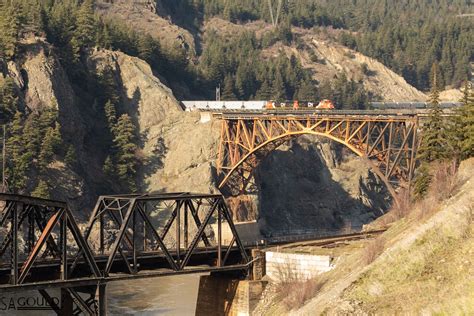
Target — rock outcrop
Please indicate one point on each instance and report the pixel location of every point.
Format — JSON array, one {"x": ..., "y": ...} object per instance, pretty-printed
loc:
[
  {"x": 311, "y": 184},
  {"x": 146, "y": 16},
  {"x": 303, "y": 185}
]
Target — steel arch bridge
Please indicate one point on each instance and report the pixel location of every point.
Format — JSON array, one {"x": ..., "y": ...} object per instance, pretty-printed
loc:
[{"x": 389, "y": 142}]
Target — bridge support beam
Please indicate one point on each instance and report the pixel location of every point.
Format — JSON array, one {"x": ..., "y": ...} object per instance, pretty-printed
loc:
[
  {"x": 66, "y": 303},
  {"x": 102, "y": 299}
]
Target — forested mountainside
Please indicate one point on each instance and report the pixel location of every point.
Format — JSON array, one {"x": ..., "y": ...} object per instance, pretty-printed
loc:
[
  {"x": 408, "y": 36},
  {"x": 87, "y": 124}
]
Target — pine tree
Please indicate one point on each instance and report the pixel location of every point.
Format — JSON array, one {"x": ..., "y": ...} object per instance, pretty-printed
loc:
[
  {"x": 278, "y": 88},
  {"x": 457, "y": 125},
  {"x": 126, "y": 162},
  {"x": 20, "y": 159},
  {"x": 42, "y": 190},
  {"x": 146, "y": 47},
  {"x": 422, "y": 181},
  {"x": 109, "y": 168},
  {"x": 49, "y": 146},
  {"x": 228, "y": 92},
  {"x": 307, "y": 92},
  {"x": 111, "y": 115},
  {"x": 8, "y": 100},
  {"x": 9, "y": 30},
  {"x": 71, "y": 156},
  {"x": 467, "y": 144},
  {"x": 32, "y": 134},
  {"x": 86, "y": 25},
  {"x": 265, "y": 91},
  {"x": 325, "y": 90},
  {"x": 435, "y": 139}
]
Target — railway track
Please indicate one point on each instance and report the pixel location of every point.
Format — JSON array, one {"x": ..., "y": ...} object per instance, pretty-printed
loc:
[{"x": 326, "y": 241}]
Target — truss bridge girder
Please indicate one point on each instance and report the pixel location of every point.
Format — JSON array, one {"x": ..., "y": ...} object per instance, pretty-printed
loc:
[{"x": 389, "y": 143}]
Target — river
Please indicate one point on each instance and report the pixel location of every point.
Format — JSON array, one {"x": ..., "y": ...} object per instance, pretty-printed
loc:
[{"x": 174, "y": 295}]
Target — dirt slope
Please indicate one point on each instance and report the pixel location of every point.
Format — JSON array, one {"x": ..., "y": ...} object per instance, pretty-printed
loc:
[
  {"x": 320, "y": 53},
  {"x": 426, "y": 268}
]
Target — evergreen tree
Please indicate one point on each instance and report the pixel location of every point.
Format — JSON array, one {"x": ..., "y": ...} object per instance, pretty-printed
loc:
[
  {"x": 20, "y": 159},
  {"x": 278, "y": 89},
  {"x": 307, "y": 92},
  {"x": 457, "y": 125},
  {"x": 147, "y": 49},
  {"x": 42, "y": 190},
  {"x": 9, "y": 30},
  {"x": 467, "y": 145},
  {"x": 50, "y": 145},
  {"x": 422, "y": 181},
  {"x": 85, "y": 33},
  {"x": 8, "y": 100},
  {"x": 435, "y": 139},
  {"x": 325, "y": 90},
  {"x": 32, "y": 134},
  {"x": 71, "y": 156},
  {"x": 109, "y": 168},
  {"x": 111, "y": 115},
  {"x": 265, "y": 91},
  {"x": 125, "y": 142},
  {"x": 228, "y": 92}
]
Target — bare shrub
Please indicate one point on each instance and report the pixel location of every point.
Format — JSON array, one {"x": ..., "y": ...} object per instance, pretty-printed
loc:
[
  {"x": 293, "y": 290},
  {"x": 444, "y": 184},
  {"x": 373, "y": 250},
  {"x": 443, "y": 181},
  {"x": 426, "y": 207},
  {"x": 303, "y": 291},
  {"x": 403, "y": 206}
]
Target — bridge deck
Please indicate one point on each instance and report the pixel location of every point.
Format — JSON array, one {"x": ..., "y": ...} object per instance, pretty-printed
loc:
[{"x": 362, "y": 114}]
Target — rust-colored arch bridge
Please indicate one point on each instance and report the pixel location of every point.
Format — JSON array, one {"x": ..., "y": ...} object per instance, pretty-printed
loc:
[{"x": 388, "y": 141}]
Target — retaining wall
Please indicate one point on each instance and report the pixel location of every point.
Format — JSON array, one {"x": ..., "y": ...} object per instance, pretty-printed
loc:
[{"x": 284, "y": 266}]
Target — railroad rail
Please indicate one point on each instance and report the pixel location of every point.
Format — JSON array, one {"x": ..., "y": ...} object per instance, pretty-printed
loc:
[{"x": 328, "y": 240}]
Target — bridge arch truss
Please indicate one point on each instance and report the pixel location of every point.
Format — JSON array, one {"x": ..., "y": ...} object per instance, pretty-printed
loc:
[{"x": 388, "y": 142}]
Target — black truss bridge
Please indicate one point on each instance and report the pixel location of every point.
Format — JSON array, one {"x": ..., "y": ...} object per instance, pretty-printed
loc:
[{"x": 127, "y": 237}]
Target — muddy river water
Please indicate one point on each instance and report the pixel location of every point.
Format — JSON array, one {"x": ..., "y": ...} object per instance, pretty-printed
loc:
[{"x": 175, "y": 295}]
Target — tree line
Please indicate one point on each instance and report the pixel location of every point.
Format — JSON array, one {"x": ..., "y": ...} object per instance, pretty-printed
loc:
[
  {"x": 407, "y": 36},
  {"x": 444, "y": 139},
  {"x": 35, "y": 138},
  {"x": 237, "y": 63}
]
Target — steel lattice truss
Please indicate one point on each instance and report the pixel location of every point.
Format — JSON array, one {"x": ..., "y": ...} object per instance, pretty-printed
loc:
[
  {"x": 49, "y": 233},
  {"x": 388, "y": 142},
  {"x": 128, "y": 236},
  {"x": 177, "y": 226}
]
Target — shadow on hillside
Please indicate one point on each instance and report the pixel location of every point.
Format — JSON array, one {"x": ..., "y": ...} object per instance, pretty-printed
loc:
[{"x": 297, "y": 193}]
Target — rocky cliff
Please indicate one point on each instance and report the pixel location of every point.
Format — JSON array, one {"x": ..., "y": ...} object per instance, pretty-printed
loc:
[
  {"x": 313, "y": 184},
  {"x": 306, "y": 184}
]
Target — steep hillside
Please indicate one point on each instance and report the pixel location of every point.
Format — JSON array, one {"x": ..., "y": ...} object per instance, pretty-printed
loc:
[
  {"x": 148, "y": 16},
  {"x": 320, "y": 53},
  {"x": 319, "y": 50},
  {"x": 423, "y": 264},
  {"x": 177, "y": 153}
]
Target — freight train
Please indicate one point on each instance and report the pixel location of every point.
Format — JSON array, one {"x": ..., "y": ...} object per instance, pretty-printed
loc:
[{"x": 298, "y": 105}]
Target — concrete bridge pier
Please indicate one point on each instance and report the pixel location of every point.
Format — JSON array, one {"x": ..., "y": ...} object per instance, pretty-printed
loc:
[{"x": 227, "y": 294}]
